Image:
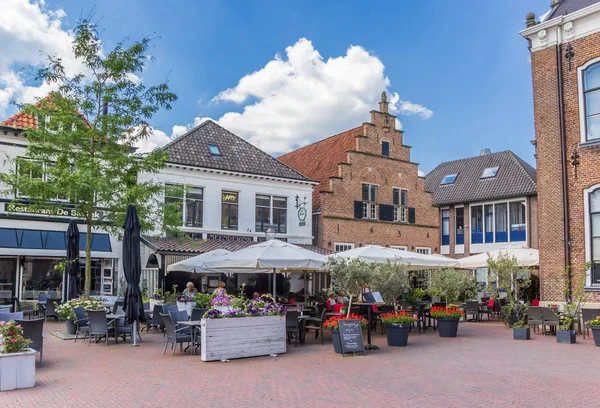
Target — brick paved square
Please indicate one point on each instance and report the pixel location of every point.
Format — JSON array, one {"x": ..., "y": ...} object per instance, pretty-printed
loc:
[{"x": 482, "y": 367}]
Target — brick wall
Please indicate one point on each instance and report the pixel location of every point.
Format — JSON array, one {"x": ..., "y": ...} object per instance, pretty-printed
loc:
[
  {"x": 547, "y": 130},
  {"x": 367, "y": 165}
]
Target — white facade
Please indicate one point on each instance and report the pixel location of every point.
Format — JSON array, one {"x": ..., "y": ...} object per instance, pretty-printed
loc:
[
  {"x": 29, "y": 239},
  {"x": 214, "y": 182}
]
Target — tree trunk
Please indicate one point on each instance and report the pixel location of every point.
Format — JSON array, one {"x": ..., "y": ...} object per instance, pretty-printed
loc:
[
  {"x": 349, "y": 306},
  {"x": 88, "y": 256}
]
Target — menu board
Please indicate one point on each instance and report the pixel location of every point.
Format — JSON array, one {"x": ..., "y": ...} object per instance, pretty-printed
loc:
[{"x": 351, "y": 336}]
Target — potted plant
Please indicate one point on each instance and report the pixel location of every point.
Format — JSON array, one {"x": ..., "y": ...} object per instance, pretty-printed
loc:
[
  {"x": 521, "y": 331},
  {"x": 186, "y": 303},
  {"x": 397, "y": 327},
  {"x": 203, "y": 300},
  {"x": 595, "y": 326},
  {"x": 417, "y": 294},
  {"x": 65, "y": 310},
  {"x": 332, "y": 324},
  {"x": 453, "y": 285},
  {"x": 156, "y": 299},
  {"x": 17, "y": 361},
  {"x": 447, "y": 319},
  {"x": 222, "y": 303}
]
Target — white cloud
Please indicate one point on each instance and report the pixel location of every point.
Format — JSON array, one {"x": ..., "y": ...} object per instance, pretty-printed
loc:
[
  {"x": 421, "y": 173},
  {"x": 28, "y": 32},
  {"x": 179, "y": 130},
  {"x": 303, "y": 98}
]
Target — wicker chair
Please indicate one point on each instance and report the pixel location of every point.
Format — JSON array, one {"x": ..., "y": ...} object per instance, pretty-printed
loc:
[
  {"x": 81, "y": 322},
  {"x": 175, "y": 336},
  {"x": 34, "y": 330},
  {"x": 99, "y": 327}
]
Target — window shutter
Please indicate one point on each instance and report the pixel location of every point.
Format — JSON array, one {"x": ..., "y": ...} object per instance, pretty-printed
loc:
[
  {"x": 358, "y": 209},
  {"x": 386, "y": 212},
  {"x": 411, "y": 215},
  {"x": 396, "y": 195}
]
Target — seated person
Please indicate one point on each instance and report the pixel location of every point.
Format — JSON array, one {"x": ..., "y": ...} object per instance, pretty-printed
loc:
[{"x": 190, "y": 291}]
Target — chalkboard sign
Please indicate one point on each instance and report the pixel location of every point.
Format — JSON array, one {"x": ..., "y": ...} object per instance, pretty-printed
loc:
[{"x": 351, "y": 336}]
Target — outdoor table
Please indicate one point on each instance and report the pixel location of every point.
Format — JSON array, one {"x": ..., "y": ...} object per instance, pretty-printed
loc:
[{"x": 193, "y": 324}]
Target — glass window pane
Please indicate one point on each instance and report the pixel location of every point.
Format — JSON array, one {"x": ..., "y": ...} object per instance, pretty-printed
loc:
[
  {"x": 56, "y": 240},
  {"x": 233, "y": 217},
  {"x": 404, "y": 197},
  {"x": 449, "y": 179},
  {"x": 592, "y": 103},
  {"x": 100, "y": 242},
  {"x": 396, "y": 196},
  {"x": 262, "y": 219},
  {"x": 31, "y": 239},
  {"x": 365, "y": 192},
  {"x": 193, "y": 213},
  {"x": 385, "y": 148},
  {"x": 477, "y": 219},
  {"x": 214, "y": 150},
  {"x": 280, "y": 220},
  {"x": 263, "y": 200},
  {"x": 501, "y": 224},
  {"x": 489, "y": 218},
  {"x": 373, "y": 193},
  {"x": 592, "y": 77},
  {"x": 174, "y": 190},
  {"x": 596, "y": 249},
  {"x": 489, "y": 172},
  {"x": 593, "y": 127},
  {"x": 229, "y": 196},
  {"x": 194, "y": 193},
  {"x": 445, "y": 222},
  {"x": 596, "y": 225},
  {"x": 8, "y": 238},
  {"x": 595, "y": 201},
  {"x": 460, "y": 221},
  {"x": 279, "y": 202}
]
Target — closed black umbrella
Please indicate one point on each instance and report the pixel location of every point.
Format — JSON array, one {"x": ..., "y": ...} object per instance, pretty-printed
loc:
[
  {"x": 72, "y": 267},
  {"x": 132, "y": 269}
]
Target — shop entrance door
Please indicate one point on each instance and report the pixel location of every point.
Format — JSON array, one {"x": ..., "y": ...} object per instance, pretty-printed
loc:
[{"x": 8, "y": 274}]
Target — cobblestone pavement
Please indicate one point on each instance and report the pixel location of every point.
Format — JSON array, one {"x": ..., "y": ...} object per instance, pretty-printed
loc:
[{"x": 482, "y": 367}]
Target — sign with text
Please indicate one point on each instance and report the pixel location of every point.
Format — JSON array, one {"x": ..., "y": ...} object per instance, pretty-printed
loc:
[
  {"x": 229, "y": 197},
  {"x": 24, "y": 208},
  {"x": 220, "y": 237},
  {"x": 351, "y": 336}
]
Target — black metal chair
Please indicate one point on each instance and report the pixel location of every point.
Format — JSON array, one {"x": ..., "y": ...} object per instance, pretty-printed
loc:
[
  {"x": 198, "y": 313},
  {"x": 81, "y": 322},
  {"x": 534, "y": 317},
  {"x": 156, "y": 321},
  {"x": 587, "y": 315},
  {"x": 472, "y": 309},
  {"x": 175, "y": 336},
  {"x": 99, "y": 327},
  {"x": 291, "y": 327},
  {"x": 549, "y": 318},
  {"x": 27, "y": 310},
  {"x": 51, "y": 309},
  {"x": 316, "y": 324},
  {"x": 33, "y": 329},
  {"x": 118, "y": 304}
]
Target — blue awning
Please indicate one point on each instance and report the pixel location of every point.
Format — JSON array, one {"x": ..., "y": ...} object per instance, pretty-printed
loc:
[{"x": 53, "y": 240}]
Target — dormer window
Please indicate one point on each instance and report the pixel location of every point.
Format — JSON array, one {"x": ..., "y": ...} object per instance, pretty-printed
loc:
[
  {"x": 449, "y": 179},
  {"x": 490, "y": 172},
  {"x": 214, "y": 150}
]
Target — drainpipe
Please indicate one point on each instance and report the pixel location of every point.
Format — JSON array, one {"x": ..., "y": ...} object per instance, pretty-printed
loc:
[{"x": 563, "y": 149}]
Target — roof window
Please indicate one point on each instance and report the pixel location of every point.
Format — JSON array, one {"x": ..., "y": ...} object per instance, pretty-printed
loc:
[
  {"x": 449, "y": 179},
  {"x": 489, "y": 172},
  {"x": 214, "y": 150}
]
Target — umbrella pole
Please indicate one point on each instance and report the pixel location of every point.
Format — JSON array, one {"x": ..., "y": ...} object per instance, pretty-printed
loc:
[
  {"x": 134, "y": 335},
  {"x": 275, "y": 283},
  {"x": 305, "y": 287}
]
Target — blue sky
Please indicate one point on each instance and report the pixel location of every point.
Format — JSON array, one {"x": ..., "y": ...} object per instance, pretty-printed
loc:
[{"x": 464, "y": 61}]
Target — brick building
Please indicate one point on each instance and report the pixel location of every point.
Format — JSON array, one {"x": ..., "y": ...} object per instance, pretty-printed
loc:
[
  {"x": 369, "y": 190},
  {"x": 565, "y": 63},
  {"x": 486, "y": 202}
]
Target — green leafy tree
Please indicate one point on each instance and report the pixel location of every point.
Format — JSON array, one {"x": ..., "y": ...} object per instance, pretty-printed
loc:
[
  {"x": 349, "y": 275},
  {"x": 452, "y": 285},
  {"x": 83, "y": 150},
  {"x": 391, "y": 280}
]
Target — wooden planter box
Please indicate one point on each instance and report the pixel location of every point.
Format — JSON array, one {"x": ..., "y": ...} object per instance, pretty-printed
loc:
[
  {"x": 239, "y": 337},
  {"x": 17, "y": 370}
]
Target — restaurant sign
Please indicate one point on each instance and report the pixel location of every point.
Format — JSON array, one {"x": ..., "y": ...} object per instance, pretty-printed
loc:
[
  {"x": 221, "y": 237},
  {"x": 302, "y": 213},
  {"x": 54, "y": 211}
]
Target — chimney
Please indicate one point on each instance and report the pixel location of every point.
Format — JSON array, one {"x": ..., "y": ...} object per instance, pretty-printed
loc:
[
  {"x": 383, "y": 105},
  {"x": 485, "y": 151},
  {"x": 554, "y": 2}
]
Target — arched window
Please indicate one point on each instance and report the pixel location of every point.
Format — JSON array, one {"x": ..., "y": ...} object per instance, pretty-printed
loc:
[
  {"x": 594, "y": 205},
  {"x": 591, "y": 95}
]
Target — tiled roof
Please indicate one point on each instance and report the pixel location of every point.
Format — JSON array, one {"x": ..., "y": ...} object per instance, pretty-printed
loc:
[
  {"x": 514, "y": 178},
  {"x": 236, "y": 154},
  {"x": 565, "y": 7},
  {"x": 319, "y": 161},
  {"x": 187, "y": 245},
  {"x": 20, "y": 121}
]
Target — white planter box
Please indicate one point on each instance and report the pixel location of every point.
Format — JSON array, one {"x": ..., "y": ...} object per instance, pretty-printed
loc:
[
  {"x": 186, "y": 306},
  {"x": 154, "y": 302},
  {"x": 17, "y": 370},
  {"x": 239, "y": 337}
]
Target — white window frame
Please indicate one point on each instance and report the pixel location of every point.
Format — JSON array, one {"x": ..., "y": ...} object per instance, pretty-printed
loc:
[
  {"x": 271, "y": 207},
  {"x": 400, "y": 210},
  {"x": 424, "y": 250},
  {"x": 508, "y": 225},
  {"x": 342, "y": 244},
  {"x": 44, "y": 178},
  {"x": 582, "y": 123},
  {"x": 183, "y": 200},
  {"x": 588, "y": 232},
  {"x": 400, "y": 247}
]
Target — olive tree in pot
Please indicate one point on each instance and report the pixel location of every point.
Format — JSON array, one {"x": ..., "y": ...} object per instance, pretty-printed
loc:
[
  {"x": 391, "y": 280},
  {"x": 595, "y": 326},
  {"x": 451, "y": 285},
  {"x": 505, "y": 270},
  {"x": 575, "y": 298},
  {"x": 521, "y": 331},
  {"x": 349, "y": 275}
]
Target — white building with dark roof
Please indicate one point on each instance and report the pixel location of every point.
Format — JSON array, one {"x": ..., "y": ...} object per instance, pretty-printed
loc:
[
  {"x": 230, "y": 191},
  {"x": 486, "y": 202}
]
